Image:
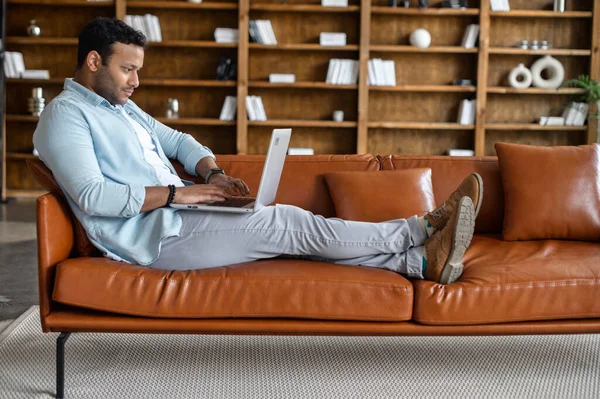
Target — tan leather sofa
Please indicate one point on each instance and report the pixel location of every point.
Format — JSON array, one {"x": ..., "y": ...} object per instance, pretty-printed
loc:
[{"x": 531, "y": 287}]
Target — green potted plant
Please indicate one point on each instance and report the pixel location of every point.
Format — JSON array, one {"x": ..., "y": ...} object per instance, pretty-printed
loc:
[{"x": 591, "y": 94}]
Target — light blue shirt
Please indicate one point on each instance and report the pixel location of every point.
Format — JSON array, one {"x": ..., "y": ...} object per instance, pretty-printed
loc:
[{"x": 99, "y": 163}]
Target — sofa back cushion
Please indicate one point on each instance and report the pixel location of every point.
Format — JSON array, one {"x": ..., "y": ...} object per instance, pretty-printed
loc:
[
  {"x": 448, "y": 172},
  {"x": 381, "y": 196},
  {"x": 302, "y": 181},
  {"x": 45, "y": 178},
  {"x": 550, "y": 192}
]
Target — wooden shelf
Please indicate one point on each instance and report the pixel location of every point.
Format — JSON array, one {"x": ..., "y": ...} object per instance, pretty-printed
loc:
[
  {"x": 533, "y": 90},
  {"x": 541, "y": 14},
  {"x": 283, "y": 123},
  {"x": 303, "y": 8},
  {"x": 20, "y": 155},
  {"x": 21, "y": 118},
  {"x": 425, "y": 88},
  {"x": 70, "y": 41},
  {"x": 413, "y": 49},
  {"x": 531, "y": 126},
  {"x": 64, "y": 3},
  {"x": 192, "y": 43},
  {"x": 51, "y": 81},
  {"x": 195, "y": 121},
  {"x": 519, "y": 51},
  {"x": 182, "y": 5},
  {"x": 429, "y": 12},
  {"x": 303, "y": 47},
  {"x": 25, "y": 193},
  {"x": 187, "y": 83},
  {"x": 420, "y": 125},
  {"x": 300, "y": 85}
]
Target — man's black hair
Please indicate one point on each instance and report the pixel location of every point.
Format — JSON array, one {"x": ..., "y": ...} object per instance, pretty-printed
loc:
[{"x": 101, "y": 33}]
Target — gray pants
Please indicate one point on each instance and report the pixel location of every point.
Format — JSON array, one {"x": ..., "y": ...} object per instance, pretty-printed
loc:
[{"x": 211, "y": 239}]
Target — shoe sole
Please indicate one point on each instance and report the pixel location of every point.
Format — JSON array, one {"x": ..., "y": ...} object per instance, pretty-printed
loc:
[{"x": 464, "y": 226}]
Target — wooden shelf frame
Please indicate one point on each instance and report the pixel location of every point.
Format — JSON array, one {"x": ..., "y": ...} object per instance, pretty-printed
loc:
[{"x": 367, "y": 15}]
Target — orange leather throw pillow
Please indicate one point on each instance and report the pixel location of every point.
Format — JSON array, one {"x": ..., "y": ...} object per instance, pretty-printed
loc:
[
  {"x": 382, "y": 195},
  {"x": 550, "y": 192}
]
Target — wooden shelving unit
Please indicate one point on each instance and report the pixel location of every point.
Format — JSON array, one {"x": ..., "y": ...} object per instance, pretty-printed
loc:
[{"x": 418, "y": 116}]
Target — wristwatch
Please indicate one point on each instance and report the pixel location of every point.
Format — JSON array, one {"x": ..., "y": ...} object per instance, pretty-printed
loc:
[{"x": 213, "y": 171}]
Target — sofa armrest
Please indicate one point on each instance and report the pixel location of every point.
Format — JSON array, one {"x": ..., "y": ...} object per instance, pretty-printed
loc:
[{"x": 55, "y": 242}]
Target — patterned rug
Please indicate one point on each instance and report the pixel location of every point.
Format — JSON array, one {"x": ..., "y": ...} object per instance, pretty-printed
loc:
[{"x": 204, "y": 366}]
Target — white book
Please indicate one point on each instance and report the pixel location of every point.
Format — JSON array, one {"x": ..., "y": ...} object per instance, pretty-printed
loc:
[
  {"x": 473, "y": 115},
  {"x": 390, "y": 72},
  {"x": 250, "y": 108},
  {"x": 475, "y": 37},
  {"x": 581, "y": 116},
  {"x": 329, "y": 77},
  {"x": 506, "y": 5},
  {"x": 455, "y": 152},
  {"x": 282, "y": 78},
  {"x": 129, "y": 20},
  {"x": 337, "y": 68},
  {"x": 137, "y": 23},
  {"x": 355, "y": 72},
  {"x": 271, "y": 32},
  {"x": 371, "y": 74},
  {"x": 223, "y": 116},
  {"x": 256, "y": 32},
  {"x": 334, "y": 3},
  {"x": 262, "y": 29},
  {"x": 156, "y": 28},
  {"x": 332, "y": 39},
  {"x": 300, "y": 151},
  {"x": 228, "y": 110},
  {"x": 35, "y": 74},
  {"x": 343, "y": 73},
  {"x": 570, "y": 118},
  {"x": 379, "y": 72},
  {"x": 19, "y": 63},
  {"x": 552, "y": 121},
  {"x": 148, "y": 31},
  {"x": 262, "y": 115},
  {"x": 9, "y": 70}
]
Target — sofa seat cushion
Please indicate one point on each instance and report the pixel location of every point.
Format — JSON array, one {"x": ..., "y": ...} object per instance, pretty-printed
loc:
[
  {"x": 275, "y": 288},
  {"x": 516, "y": 281}
]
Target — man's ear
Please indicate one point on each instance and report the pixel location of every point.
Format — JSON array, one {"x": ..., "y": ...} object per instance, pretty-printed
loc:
[{"x": 94, "y": 60}]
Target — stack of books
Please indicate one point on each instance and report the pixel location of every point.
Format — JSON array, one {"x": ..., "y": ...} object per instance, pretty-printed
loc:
[
  {"x": 229, "y": 108},
  {"x": 261, "y": 31},
  {"x": 342, "y": 72},
  {"x": 470, "y": 37},
  {"x": 500, "y": 5},
  {"x": 14, "y": 67},
  {"x": 381, "y": 72},
  {"x": 148, "y": 24},
  {"x": 255, "y": 108},
  {"x": 467, "y": 111},
  {"x": 226, "y": 35},
  {"x": 576, "y": 114},
  {"x": 334, "y": 3},
  {"x": 332, "y": 39}
]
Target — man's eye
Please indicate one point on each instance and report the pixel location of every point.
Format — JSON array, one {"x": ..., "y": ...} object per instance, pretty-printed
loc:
[{"x": 126, "y": 69}]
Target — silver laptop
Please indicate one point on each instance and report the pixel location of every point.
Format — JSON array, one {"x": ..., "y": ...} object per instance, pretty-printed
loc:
[{"x": 269, "y": 181}]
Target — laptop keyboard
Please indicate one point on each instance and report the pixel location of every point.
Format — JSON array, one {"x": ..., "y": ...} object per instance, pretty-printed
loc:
[{"x": 234, "y": 202}]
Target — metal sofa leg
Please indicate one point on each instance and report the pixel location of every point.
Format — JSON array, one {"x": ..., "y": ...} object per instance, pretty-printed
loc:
[{"x": 60, "y": 364}]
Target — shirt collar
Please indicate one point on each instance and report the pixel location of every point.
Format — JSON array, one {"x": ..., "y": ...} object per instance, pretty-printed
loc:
[{"x": 86, "y": 93}]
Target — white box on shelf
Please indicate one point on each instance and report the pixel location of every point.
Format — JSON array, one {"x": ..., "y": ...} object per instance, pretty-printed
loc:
[
  {"x": 301, "y": 151},
  {"x": 282, "y": 78},
  {"x": 334, "y": 3},
  {"x": 552, "y": 121},
  {"x": 456, "y": 152},
  {"x": 35, "y": 74},
  {"x": 332, "y": 39}
]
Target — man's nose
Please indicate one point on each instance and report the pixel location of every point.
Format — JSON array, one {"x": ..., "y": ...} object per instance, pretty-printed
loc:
[{"x": 134, "y": 80}]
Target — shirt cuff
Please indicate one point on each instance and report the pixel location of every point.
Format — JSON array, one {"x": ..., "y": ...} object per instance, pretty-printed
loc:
[
  {"x": 194, "y": 157},
  {"x": 137, "y": 196}
]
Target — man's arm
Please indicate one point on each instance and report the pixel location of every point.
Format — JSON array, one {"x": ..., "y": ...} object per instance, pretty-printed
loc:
[{"x": 65, "y": 144}]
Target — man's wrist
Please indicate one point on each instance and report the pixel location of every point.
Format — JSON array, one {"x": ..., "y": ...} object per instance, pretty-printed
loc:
[{"x": 212, "y": 172}]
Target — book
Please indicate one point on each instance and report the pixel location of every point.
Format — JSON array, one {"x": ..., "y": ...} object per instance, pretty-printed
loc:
[
  {"x": 332, "y": 39},
  {"x": 229, "y": 107},
  {"x": 300, "y": 151},
  {"x": 334, "y": 3},
  {"x": 390, "y": 72},
  {"x": 35, "y": 74},
  {"x": 261, "y": 114},
  {"x": 148, "y": 29},
  {"x": 156, "y": 28},
  {"x": 282, "y": 77},
  {"x": 552, "y": 121},
  {"x": 250, "y": 110},
  {"x": 455, "y": 152},
  {"x": 226, "y": 35},
  {"x": 470, "y": 36},
  {"x": 329, "y": 78}
]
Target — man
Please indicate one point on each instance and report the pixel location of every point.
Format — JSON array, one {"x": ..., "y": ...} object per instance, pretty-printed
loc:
[{"x": 111, "y": 160}]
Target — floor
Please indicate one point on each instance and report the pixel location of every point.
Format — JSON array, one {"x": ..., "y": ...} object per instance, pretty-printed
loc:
[{"x": 18, "y": 259}]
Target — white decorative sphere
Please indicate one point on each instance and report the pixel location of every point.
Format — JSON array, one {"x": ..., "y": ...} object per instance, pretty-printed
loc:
[{"x": 420, "y": 38}]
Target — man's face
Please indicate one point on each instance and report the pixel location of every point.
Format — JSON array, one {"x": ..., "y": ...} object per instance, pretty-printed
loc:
[{"x": 117, "y": 80}]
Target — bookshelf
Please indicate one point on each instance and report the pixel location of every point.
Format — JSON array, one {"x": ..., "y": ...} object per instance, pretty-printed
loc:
[{"x": 417, "y": 116}]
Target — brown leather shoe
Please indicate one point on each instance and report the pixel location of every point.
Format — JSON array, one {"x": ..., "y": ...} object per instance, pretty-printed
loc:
[
  {"x": 445, "y": 249},
  {"x": 471, "y": 187}
]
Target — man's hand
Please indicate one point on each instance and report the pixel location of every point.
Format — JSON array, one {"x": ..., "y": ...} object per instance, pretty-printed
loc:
[
  {"x": 200, "y": 194},
  {"x": 230, "y": 184}
]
